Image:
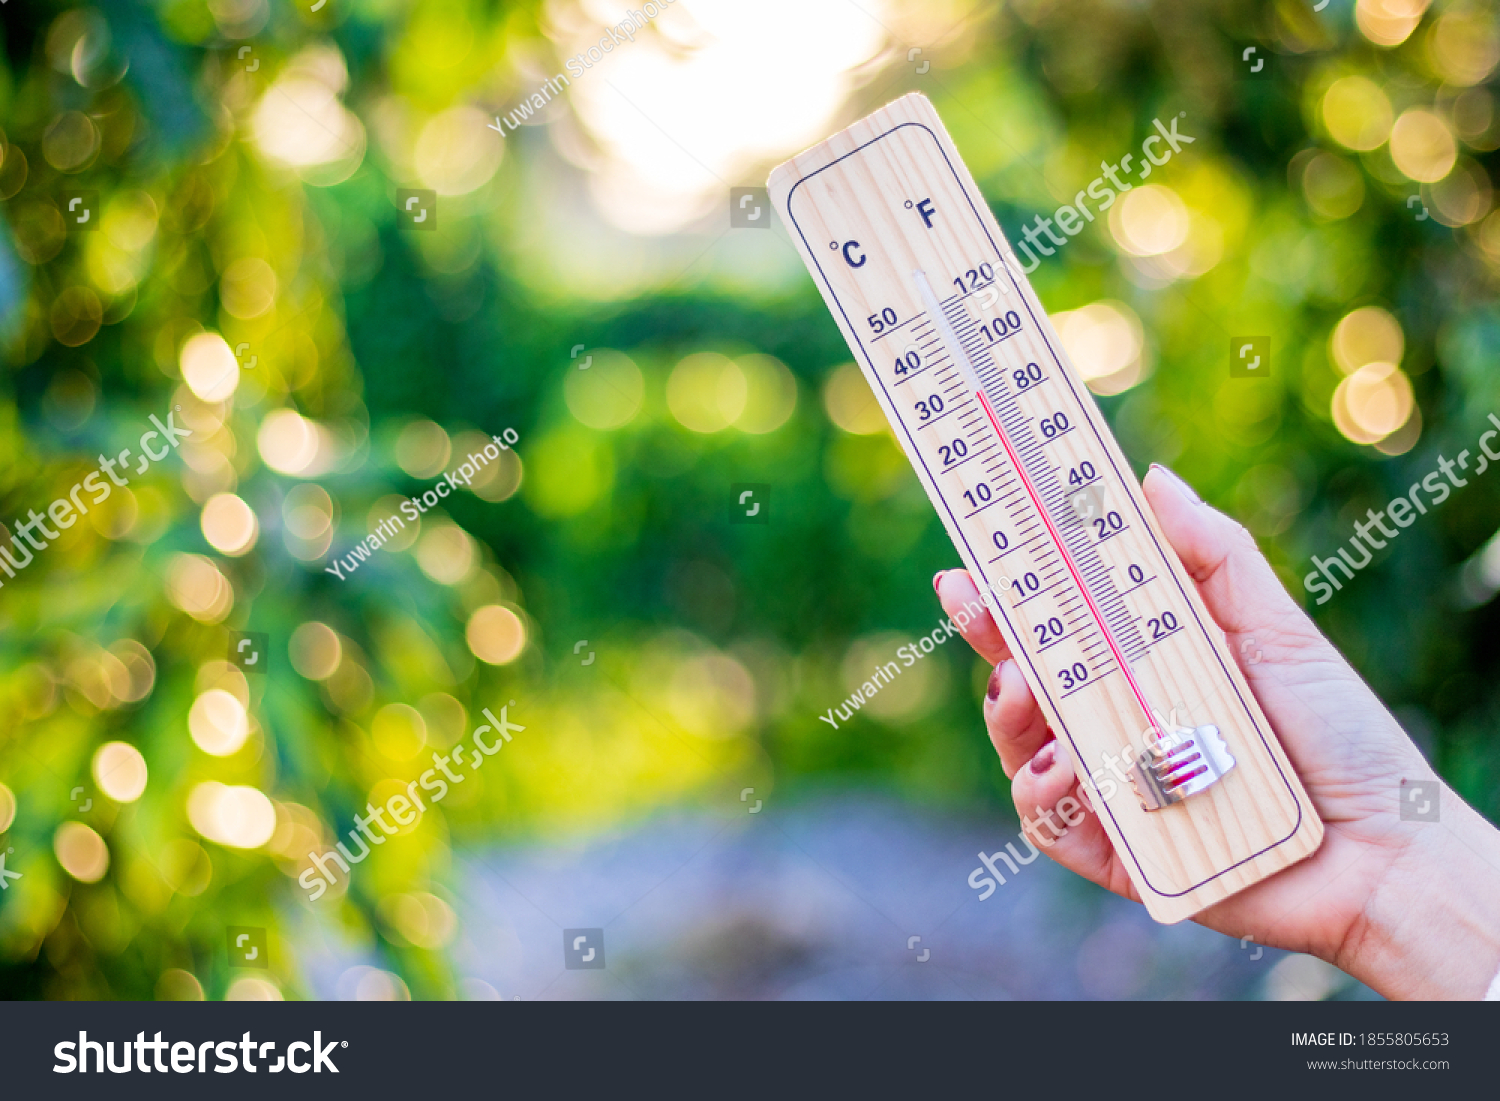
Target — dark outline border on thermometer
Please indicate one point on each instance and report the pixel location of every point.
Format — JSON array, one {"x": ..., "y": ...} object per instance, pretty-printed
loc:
[{"x": 957, "y": 529}]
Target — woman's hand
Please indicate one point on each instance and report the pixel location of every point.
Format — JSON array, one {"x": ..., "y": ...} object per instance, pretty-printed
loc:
[{"x": 1410, "y": 908}]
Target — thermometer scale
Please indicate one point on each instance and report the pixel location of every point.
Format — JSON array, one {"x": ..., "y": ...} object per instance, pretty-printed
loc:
[{"x": 1105, "y": 624}]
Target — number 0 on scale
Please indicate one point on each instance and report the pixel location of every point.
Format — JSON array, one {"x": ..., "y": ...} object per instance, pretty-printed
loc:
[{"x": 1045, "y": 511}]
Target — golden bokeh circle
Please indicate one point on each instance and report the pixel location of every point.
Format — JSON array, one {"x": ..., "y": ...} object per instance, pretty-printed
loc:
[
  {"x": 496, "y": 635},
  {"x": 1366, "y": 335},
  {"x": 120, "y": 771},
  {"x": 81, "y": 852}
]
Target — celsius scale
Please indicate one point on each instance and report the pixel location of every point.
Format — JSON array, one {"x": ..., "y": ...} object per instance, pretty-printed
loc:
[{"x": 1040, "y": 502}]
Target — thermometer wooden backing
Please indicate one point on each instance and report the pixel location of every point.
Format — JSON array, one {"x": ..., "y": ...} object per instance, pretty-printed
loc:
[{"x": 1107, "y": 627}]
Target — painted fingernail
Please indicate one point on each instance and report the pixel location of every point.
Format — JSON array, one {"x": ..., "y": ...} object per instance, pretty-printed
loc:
[
  {"x": 1192, "y": 494},
  {"x": 992, "y": 692},
  {"x": 1044, "y": 758},
  {"x": 936, "y": 580}
]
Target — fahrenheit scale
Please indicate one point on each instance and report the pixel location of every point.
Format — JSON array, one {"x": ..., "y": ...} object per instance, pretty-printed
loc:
[{"x": 1107, "y": 627}]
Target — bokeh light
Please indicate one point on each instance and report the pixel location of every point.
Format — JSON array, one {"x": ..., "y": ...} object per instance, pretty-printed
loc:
[
  {"x": 301, "y": 123},
  {"x": 298, "y": 832},
  {"x": 1105, "y": 342},
  {"x": 712, "y": 696},
  {"x": 247, "y": 288},
  {"x": 850, "y": 404},
  {"x": 81, "y": 852},
  {"x": 399, "y": 731},
  {"x": 1475, "y": 117},
  {"x": 605, "y": 391},
  {"x": 120, "y": 771},
  {"x": 496, "y": 635},
  {"x": 1357, "y": 113},
  {"x": 136, "y": 671},
  {"x": 195, "y": 585},
  {"x": 252, "y": 988},
  {"x": 420, "y": 918},
  {"x": 386, "y": 511},
  {"x": 177, "y": 985},
  {"x": 218, "y": 723},
  {"x": 1334, "y": 187},
  {"x": 209, "y": 367},
  {"x": 1462, "y": 197},
  {"x": 237, "y": 816},
  {"x": 76, "y": 316},
  {"x": 315, "y": 651},
  {"x": 229, "y": 525},
  {"x": 1422, "y": 145},
  {"x": 308, "y": 515},
  {"x": 1149, "y": 220},
  {"x": 446, "y": 553},
  {"x": 706, "y": 392},
  {"x": 1388, "y": 22},
  {"x": 130, "y": 220},
  {"x": 423, "y": 449},
  {"x": 1372, "y": 403},
  {"x": 455, "y": 153},
  {"x": 677, "y": 90},
  {"x": 371, "y": 984},
  {"x": 239, "y": 18},
  {"x": 70, "y": 142},
  {"x": 770, "y": 394},
  {"x": 290, "y": 443},
  {"x": 1366, "y": 335},
  {"x": 445, "y": 718},
  {"x": 910, "y": 696},
  {"x": 1464, "y": 45},
  {"x": 350, "y": 688}
]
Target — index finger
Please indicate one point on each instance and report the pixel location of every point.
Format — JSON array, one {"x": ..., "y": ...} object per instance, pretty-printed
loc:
[{"x": 957, "y": 593}]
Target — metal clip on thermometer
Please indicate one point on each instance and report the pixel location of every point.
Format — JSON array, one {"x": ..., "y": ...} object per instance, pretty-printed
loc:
[{"x": 1045, "y": 511}]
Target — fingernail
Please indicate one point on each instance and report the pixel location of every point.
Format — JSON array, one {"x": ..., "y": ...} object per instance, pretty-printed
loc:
[
  {"x": 936, "y": 579},
  {"x": 1192, "y": 494},
  {"x": 1044, "y": 758},
  {"x": 992, "y": 692}
]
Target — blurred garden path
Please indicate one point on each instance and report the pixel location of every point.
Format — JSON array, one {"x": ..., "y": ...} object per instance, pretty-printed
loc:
[{"x": 818, "y": 901}]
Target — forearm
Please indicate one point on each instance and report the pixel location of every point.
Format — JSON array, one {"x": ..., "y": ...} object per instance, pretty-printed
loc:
[{"x": 1431, "y": 929}]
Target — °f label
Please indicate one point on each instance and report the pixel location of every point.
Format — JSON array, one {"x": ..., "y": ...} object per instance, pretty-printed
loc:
[{"x": 1038, "y": 499}]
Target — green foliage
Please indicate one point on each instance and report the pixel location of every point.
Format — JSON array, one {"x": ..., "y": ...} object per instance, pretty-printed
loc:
[{"x": 718, "y": 645}]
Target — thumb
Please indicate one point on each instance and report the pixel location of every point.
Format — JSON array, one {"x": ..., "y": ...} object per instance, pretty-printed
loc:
[{"x": 1241, "y": 590}]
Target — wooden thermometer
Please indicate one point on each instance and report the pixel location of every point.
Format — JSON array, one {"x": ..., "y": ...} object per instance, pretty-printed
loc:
[{"x": 1134, "y": 676}]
